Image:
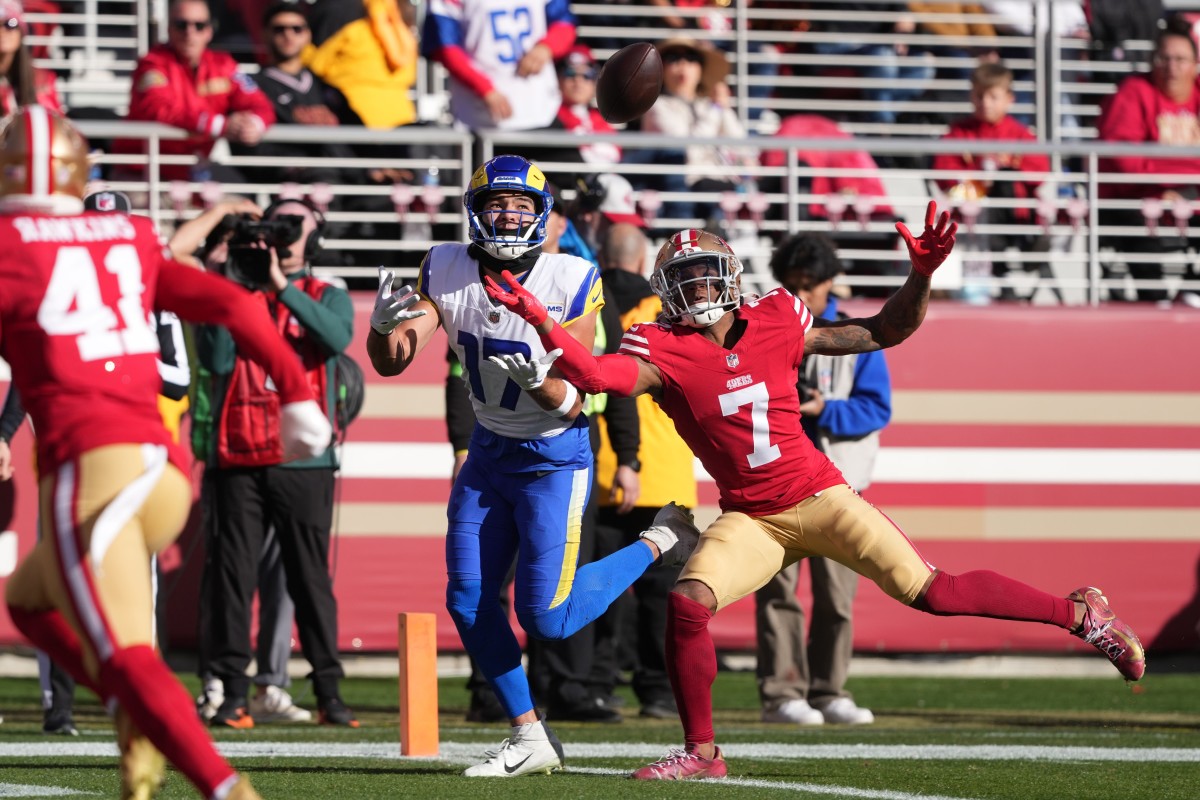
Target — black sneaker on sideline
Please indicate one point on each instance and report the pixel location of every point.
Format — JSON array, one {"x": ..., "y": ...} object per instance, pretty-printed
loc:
[
  {"x": 334, "y": 712},
  {"x": 232, "y": 714},
  {"x": 660, "y": 709},
  {"x": 592, "y": 710},
  {"x": 58, "y": 721},
  {"x": 485, "y": 707}
]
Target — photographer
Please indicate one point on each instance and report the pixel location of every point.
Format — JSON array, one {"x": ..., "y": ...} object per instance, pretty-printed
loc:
[{"x": 251, "y": 490}]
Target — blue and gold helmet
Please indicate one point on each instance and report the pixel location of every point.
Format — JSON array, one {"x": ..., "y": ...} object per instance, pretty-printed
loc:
[{"x": 507, "y": 173}]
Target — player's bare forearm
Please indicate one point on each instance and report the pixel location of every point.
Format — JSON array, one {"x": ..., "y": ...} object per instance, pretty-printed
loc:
[
  {"x": 904, "y": 311},
  {"x": 391, "y": 354},
  {"x": 899, "y": 318},
  {"x": 553, "y": 393}
]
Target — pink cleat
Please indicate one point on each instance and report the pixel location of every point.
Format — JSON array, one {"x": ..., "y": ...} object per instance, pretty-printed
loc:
[
  {"x": 1103, "y": 630},
  {"x": 683, "y": 765}
]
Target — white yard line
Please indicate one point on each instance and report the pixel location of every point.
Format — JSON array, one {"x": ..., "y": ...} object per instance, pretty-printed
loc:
[{"x": 466, "y": 752}]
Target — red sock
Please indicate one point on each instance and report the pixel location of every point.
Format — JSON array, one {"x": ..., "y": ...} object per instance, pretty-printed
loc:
[
  {"x": 983, "y": 593},
  {"x": 162, "y": 710},
  {"x": 692, "y": 666},
  {"x": 51, "y": 632}
]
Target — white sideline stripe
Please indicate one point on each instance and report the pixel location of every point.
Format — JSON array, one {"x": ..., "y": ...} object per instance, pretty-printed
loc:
[
  {"x": 1023, "y": 465},
  {"x": 29, "y": 790},
  {"x": 469, "y": 751},
  {"x": 807, "y": 788}
]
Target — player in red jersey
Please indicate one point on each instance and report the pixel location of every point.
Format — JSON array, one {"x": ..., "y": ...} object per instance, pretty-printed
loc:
[
  {"x": 724, "y": 368},
  {"x": 76, "y": 291}
]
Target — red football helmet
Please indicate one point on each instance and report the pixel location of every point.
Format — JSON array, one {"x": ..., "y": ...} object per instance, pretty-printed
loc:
[
  {"x": 691, "y": 257},
  {"x": 43, "y": 163}
]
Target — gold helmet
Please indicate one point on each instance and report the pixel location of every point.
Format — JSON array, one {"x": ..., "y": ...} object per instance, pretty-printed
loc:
[
  {"x": 691, "y": 257},
  {"x": 43, "y": 163}
]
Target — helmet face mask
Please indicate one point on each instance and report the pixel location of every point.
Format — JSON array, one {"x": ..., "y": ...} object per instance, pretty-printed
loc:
[
  {"x": 492, "y": 228},
  {"x": 692, "y": 259},
  {"x": 43, "y": 163}
]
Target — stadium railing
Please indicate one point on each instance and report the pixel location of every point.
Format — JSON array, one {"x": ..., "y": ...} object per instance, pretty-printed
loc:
[
  {"x": 94, "y": 56},
  {"x": 1067, "y": 209}
]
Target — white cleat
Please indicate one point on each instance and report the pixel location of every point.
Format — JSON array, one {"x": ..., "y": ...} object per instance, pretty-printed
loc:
[
  {"x": 533, "y": 747},
  {"x": 844, "y": 711},
  {"x": 674, "y": 533},
  {"x": 276, "y": 705},
  {"x": 794, "y": 712}
]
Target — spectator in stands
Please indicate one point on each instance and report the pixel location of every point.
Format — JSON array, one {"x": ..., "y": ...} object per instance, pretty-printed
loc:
[
  {"x": 184, "y": 84},
  {"x": 253, "y": 490},
  {"x": 844, "y": 401},
  {"x": 631, "y": 489},
  {"x": 21, "y": 83},
  {"x": 367, "y": 50},
  {"x": 602, "y": 201},
  {"x": 500, "y": 59},
  {"x": 940, "y": 20},
  {"x": 299, "y": 98},
  {"x": 714, "y": 23},
  {"x": 882, "y": 63},
  {"x": 577, "y": 73},
  {"x": 1162, "y": 107},
  {"x": 991, "y": 97},
  {"x": 1069, "y": 22},
  {"x": 695, "y": 102},
  {"x": 1114, "y": 23}
]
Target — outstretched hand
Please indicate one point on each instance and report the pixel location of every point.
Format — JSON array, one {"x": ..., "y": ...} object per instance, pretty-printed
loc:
[
  {"x": 392, "y": 307},
  {"x": 527, "y": 374},
  {"x": 935, "y": 243},
  {"x": 517, "y": 300}
]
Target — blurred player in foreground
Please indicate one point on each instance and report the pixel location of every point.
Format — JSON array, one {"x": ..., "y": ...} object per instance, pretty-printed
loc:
[
  {"x": 725, "y": 371},
  {"x": 76, "y": 293}
]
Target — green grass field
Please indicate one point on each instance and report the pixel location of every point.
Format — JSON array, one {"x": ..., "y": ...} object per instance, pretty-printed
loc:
[{"x": 1001, "y": 739}]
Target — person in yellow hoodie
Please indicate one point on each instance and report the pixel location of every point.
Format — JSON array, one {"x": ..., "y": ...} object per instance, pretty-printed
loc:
[{"x": 367, "y": 51}]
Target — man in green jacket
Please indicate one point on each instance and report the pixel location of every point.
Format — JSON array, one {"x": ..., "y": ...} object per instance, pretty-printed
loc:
[{"x": 251, "y": 490}]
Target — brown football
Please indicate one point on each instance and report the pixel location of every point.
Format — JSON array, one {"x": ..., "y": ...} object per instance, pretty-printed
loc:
[{"x": 629, "y": 83}]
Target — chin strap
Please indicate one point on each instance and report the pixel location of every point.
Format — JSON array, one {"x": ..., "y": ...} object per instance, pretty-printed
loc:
[{"x": 521, "y": 263}]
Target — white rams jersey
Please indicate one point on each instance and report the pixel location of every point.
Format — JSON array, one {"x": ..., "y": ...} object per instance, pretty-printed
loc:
[
  {"x": 477, "y": 328},
  {"x": 496, "y": 34}
]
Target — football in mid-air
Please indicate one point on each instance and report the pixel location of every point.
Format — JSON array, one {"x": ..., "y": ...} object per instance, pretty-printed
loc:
[{"x": 629, "y": 83}]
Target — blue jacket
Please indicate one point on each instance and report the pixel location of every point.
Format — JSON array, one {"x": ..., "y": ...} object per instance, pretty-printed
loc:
[{"x": 869, "y": 406}]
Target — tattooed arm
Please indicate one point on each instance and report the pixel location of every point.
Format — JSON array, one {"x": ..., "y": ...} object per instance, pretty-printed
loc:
[
  {"x": 899, "y": 318},
  {"x": 904, "y": 311}
]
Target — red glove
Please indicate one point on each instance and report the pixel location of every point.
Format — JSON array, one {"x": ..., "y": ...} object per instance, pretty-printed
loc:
[
  {"x": 519, "y": 300},
  {"x": 928, "y": 252}
]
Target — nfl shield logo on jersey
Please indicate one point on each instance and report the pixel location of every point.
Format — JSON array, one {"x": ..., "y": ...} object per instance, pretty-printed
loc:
[
  {"x": 731, "y": 360},
  {"x": 493, "y": 316}
]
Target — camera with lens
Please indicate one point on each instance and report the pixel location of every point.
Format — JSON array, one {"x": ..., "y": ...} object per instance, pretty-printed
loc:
[{"x": 251, "y": 243}]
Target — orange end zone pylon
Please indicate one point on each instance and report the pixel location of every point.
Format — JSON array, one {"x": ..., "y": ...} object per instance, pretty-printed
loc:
[{"x": 418, "y": 685}]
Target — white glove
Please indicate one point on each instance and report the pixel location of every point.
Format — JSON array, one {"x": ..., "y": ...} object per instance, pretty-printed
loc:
[
  {"x": 391, "y": 308},
  {"x": 305, "y": 430},
  {"x": 527, "y": 374}
]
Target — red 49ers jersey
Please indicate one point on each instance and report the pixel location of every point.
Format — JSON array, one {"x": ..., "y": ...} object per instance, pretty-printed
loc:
[
  {"x": 738, "y": 409},
  {"x": 74, "y": 309}
]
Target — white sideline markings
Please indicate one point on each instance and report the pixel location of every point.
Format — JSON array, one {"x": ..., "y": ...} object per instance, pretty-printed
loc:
[
  {"x": 467, "y": 752},
  {"x": 27, "y": 790}
]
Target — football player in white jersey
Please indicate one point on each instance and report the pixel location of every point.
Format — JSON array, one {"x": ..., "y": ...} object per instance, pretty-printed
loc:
[
  {"x": 500, "y": 55},
  {"x": 524, "y": 485}
]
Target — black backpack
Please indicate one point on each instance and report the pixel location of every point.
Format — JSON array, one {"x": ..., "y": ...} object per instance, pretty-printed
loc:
[{"x": 348, "y": 376}]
